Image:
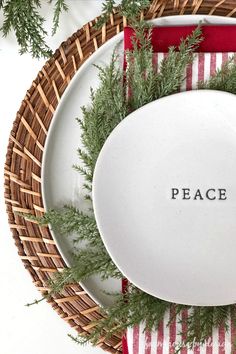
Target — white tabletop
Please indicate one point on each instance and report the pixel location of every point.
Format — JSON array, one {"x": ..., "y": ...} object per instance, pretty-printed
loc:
[{"x": 38, "y": 329}]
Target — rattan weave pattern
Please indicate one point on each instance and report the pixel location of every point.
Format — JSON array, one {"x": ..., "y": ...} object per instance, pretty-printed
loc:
[{"x": 35, "y": 245}]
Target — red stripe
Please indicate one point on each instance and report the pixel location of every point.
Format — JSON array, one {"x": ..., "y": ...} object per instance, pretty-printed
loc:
[
  {"x": 172, "y": 332},
  {"x": 221, "y": 340},
  {"x": 124, "y": 338},
  {"x": 136, "y": 340},
  {"x": 148, "y": 342},
  {"x": 209, "y": 341},
  {"x": 196, "y": 349},
  {"x": 125, "y": 345},
  {"x": 125, "y": 62},
  {"x": 160, "y": 337},
  {"x": 184, "y": 318},
  {"x": 233, "y": 336},
  {"x": 189, "y": 77},
  {"x": 209, "y": 346},
  {"x": 213, "y": 64},
  {"x": 201, "y": 62},
  {"x": 124, "y": 285}
]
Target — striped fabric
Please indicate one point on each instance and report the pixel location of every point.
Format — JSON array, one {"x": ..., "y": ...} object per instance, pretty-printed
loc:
[
  {"x": 164, "y": 340},
  {"x": 167, "y": 338},
  {"x": 204, "y": 66}
]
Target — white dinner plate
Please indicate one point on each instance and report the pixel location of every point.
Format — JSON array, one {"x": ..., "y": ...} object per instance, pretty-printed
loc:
[
  {"x": 164, "y": 195},
  {"x": 60, "y": 183}
]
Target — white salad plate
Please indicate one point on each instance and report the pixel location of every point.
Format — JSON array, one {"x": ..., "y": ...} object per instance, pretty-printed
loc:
[
  {"x": 164, "y": 197},
  {"x": 60, "y": 183}
]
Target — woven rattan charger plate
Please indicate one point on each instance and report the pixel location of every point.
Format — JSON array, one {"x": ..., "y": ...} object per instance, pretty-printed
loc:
[{"x": 35, "y": 245}]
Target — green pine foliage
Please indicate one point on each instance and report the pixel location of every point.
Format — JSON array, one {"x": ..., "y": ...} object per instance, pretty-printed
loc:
[
  {"x": 202, "y": 321},
  {"x": 107, "y": 109},
  {"x": 135, "y": 307},
  {"x": 144, "y": 82},
  {"x": 91, "y": 258},
  {"x": 128, "y": 310},
  {"x": 59, "y": 7},
  {"x": 224, "y": 79},
  {"x": 109, "y": 105},
  {"x": 87, "y": 262},
  {"x": 131, "y": 9},
  {"x": 172, "y": 68},
  {"x": 70, "y": 220},
  {"x": 23, "y": 17}
]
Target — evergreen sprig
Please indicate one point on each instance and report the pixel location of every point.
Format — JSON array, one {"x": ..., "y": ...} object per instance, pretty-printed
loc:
[
  {"x": 23, "y": 17},
  {"x": 136, "y": 307},
  {"x": 91, "y": 256},
  {"x": 131, "y": 9},
  {"x": 147, "y": 85},
  {"x": 224, "y": 78},
  {"x": 172, "y": 68},
  {"x": 128, "y": 310},
  {"x": 68, "y": 220},
  {"x": 109, "y": 105},
  {"x": 201, "y": 322},
  {"x": 87, "y": 262},
  {"x": 59, "y": 7}
]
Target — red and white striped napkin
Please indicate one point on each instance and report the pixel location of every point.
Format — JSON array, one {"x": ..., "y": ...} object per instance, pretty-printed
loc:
[
  {"x": 218, "y": 45},
  {"x": 167, "y": 338},
  {"x": 203, "y": 66},
  {"x": 164, "y": 340}
]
